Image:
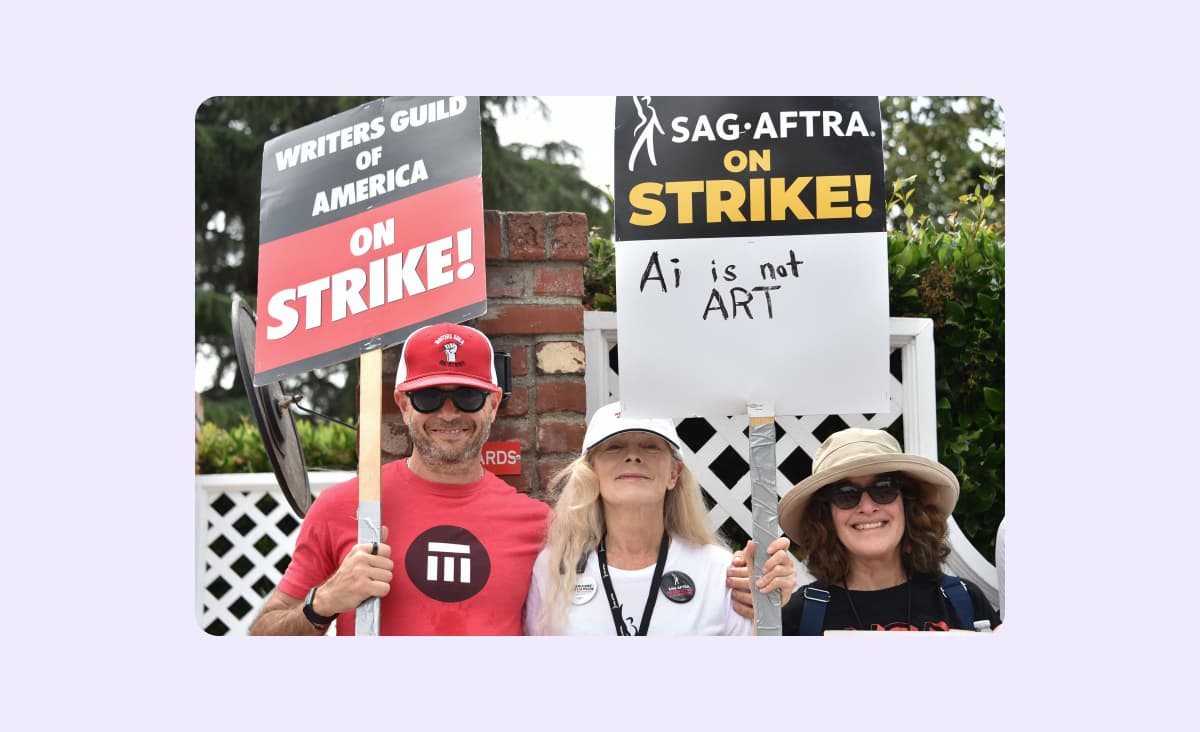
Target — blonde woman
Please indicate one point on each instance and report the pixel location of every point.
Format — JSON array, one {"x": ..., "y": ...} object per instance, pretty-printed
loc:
[{"x": 630, "y": 550}]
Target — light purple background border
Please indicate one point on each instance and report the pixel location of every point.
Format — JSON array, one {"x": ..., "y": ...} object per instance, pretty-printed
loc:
[{"x": 100, "y": 567}]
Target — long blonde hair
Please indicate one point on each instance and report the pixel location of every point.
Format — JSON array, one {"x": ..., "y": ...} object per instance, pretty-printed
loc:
[{"x": 577, "y": 524}]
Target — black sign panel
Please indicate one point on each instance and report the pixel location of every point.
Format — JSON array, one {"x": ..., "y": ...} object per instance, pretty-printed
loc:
[
  {"x": 690, "y": 167},
  {"x": 355, "y": 161}
]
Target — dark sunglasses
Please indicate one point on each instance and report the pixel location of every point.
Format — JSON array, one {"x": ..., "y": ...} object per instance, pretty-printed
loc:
[
  {"x": 431, "y": 399},
  {"x": 846, "y": 495}
]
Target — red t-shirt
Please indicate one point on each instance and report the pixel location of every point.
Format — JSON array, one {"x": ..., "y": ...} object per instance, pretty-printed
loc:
[{"x": 463, "y": 553}]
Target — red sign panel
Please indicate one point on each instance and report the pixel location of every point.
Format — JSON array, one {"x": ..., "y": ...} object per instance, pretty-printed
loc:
[{"x": 502, "y": 458}]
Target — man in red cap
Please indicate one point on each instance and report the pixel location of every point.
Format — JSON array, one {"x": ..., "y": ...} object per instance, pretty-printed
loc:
[{"x": 458, "y": 543}]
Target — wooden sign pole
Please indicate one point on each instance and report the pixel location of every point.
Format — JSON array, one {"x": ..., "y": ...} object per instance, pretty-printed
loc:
[{"x": 370, "y": 398}]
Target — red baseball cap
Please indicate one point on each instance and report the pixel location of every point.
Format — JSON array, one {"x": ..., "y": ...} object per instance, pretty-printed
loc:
[{"x": 446, "y": 354}]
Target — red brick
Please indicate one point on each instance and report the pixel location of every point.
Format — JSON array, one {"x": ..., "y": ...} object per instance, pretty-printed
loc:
[
  {"x": 493, "y": 244},
  {"x": 506, "y": 282},
  {"x": 391, "y": 359},
  {"x": 547, "y": 469},
  {"x": 561, "y": 396},
  {"x": 557, "y": 281},
  {"x": 558, "y": 436},
  {"x": 569, "y": 240},
  {"x": 518, "y": 359},
  {"x": 532, "y": 319},
  {"x": 525, "y": 240},
  {"x": 517, "y": 404},
  {"x": 513, "y": 429}
]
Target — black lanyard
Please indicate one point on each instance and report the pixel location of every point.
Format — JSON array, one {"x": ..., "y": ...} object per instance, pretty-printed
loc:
[{"x": 615, "y": 606}]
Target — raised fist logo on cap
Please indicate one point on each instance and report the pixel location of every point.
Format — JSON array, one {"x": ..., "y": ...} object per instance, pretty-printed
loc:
[{"x": 446, "y": 354}]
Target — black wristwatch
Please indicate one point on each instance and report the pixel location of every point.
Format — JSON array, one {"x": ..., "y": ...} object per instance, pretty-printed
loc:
[{"x": 320, "y": 622}]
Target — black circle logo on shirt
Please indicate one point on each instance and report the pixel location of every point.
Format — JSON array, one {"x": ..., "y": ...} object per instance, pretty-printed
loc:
[
  {"x": 448, "y": 563},
  {"x": 678, "y": 587}
]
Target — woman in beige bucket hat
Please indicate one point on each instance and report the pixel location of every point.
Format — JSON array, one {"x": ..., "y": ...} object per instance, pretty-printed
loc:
[{"x": 870, "y": 523}]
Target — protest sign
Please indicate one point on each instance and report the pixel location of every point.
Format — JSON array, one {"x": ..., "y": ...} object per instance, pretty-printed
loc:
[
  {"x": 371, "y": 226},
  {"x": 751, "y": 269},
  {"x": 751, "y": 256}
]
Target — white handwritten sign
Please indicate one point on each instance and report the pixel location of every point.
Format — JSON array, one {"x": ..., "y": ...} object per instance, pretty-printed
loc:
[{"x": 751, "y": 263}]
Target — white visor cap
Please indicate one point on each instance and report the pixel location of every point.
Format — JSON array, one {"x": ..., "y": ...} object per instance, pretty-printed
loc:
[{"x": 608, "y": 421}]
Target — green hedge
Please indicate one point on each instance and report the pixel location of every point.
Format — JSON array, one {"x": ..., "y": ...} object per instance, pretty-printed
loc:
[
  {"x": 952, "y": 271},
  {"x": 326, "y": 446}
]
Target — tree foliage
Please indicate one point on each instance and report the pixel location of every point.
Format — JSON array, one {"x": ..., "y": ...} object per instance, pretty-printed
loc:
[
  {"x": 519, "y": 177},
  {"x": 230, "y": 133},
  {"x": 945, "y": 145}
]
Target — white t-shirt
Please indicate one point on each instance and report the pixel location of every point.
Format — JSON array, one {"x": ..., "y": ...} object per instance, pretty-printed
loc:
[{"x": 708, "y": 611}]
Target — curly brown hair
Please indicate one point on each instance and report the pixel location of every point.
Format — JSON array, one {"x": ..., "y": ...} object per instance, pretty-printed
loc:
[{"x": 923, "y": 547}]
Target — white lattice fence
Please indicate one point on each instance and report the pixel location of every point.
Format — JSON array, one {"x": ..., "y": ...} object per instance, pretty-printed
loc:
[
  {"x": 799, "y": 433},
  {"x": 245, "y": 534},
  {"x": 717, "y": 450}
]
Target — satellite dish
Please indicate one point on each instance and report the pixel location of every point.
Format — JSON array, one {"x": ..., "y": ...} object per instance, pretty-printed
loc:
[{"x": 272, "y": 414}]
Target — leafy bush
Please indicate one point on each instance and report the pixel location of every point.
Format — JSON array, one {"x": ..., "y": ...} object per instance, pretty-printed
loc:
[
  {"x": 332, "y": 446},
  {"x": 240, "y": 449},
  {"x": 600, "y": 273},
  {"x": 953, "y": 272}
]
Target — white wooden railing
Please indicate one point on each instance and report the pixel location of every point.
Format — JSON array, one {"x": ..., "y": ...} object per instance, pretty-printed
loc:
[{"x": 245, "y": 535}]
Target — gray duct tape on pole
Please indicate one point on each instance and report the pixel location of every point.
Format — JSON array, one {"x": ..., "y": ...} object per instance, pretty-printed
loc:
[
  {"x": 764, "y": 501},
  {"x": 370, "y": 512},
  {"x": 366, "y": 615}
]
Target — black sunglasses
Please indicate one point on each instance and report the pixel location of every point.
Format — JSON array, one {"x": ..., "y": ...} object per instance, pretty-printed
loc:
[
  {"x": 846, "y": 495},
  {"x": 432, "y": 399}
]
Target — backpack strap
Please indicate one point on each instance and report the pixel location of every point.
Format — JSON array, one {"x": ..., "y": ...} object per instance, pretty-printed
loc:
[
  {"x": 812, "y": 618},
  {"x": 955, "y": 592}
]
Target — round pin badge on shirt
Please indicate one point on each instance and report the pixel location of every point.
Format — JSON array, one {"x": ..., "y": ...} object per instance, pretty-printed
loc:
[
  {"x": 585, "y": 590},
  {"x": 678, "y": 587}
]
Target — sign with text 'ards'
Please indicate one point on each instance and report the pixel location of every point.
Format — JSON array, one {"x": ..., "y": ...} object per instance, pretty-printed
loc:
[
  {"x": 751, "y": 255},
  {"x": 371, "y": 226}
]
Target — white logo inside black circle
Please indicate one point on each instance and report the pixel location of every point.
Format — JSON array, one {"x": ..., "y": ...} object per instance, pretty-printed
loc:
[{"x": 448, "y": 564}]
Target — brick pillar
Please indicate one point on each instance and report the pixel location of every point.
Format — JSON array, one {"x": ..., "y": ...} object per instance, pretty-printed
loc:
[{"x": 535, "y": 312}]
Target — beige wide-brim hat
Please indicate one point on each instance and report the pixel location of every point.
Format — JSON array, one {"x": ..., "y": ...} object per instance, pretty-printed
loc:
[{"x": 856, "y": 452}]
